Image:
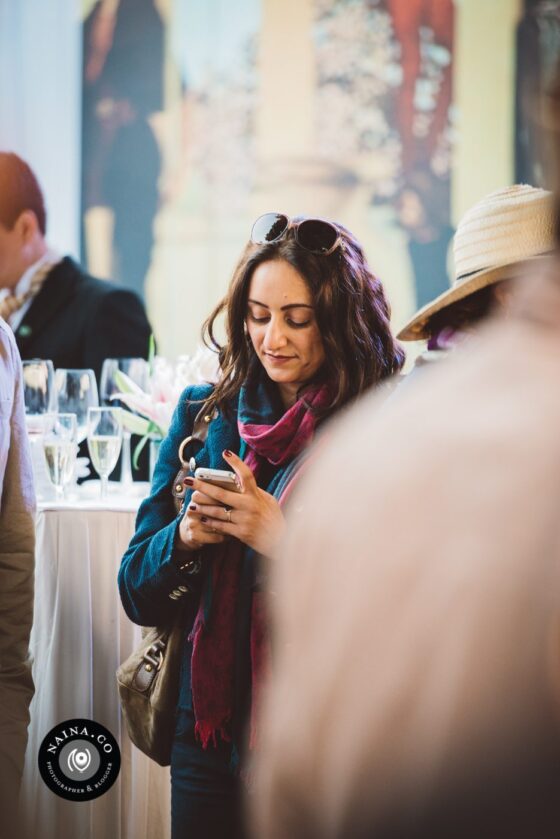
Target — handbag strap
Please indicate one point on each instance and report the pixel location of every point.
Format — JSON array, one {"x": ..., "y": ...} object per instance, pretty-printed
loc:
[{"x": 188, "y": 464}]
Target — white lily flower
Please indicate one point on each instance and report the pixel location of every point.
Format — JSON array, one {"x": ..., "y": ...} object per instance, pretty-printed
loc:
[{"x": 151, "y": 412}]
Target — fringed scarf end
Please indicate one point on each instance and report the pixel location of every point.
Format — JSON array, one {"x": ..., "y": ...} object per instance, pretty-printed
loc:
[{"x": 205, "y": 733}]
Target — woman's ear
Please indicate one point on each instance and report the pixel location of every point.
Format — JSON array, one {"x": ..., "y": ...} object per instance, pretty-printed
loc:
[{"x": 504, "y": 294}]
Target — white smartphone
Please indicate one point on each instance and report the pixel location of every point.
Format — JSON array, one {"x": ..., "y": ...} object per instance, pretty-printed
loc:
[{"x": 219, "y": 478}]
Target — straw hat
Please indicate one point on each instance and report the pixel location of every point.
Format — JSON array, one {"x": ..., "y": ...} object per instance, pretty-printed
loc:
[{"x": 494, "y": 239}]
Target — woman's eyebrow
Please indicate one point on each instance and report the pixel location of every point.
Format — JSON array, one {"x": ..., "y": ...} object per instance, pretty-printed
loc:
[{"x": 283, "y": 308}]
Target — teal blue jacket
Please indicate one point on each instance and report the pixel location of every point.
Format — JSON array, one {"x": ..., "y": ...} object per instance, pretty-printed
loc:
[{"x": 149, "y": 570}]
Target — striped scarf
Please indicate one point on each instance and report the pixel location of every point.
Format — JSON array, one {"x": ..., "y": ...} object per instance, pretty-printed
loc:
[
  {"x": 12, "y": 303},
  {"x": 280, "y": 440}
]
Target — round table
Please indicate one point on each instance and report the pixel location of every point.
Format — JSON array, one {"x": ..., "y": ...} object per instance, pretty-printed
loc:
[{"x": 80, "y": 636}]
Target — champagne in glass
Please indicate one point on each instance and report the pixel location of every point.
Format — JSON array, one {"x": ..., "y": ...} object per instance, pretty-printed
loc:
[
  {"x": 40, "y": 399},
  {"x": 104, "y": 442},
  {"x": 104, "y": 451},
  {"x": 77, "y": 392},
  {"x": 60, "y": 449},
  {"x": 137, "y": 370},
  {"x": 60, "y": 458}
]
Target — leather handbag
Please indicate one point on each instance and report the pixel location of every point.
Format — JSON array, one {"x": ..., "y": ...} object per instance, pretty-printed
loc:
[{"x": 148, "y": 680}]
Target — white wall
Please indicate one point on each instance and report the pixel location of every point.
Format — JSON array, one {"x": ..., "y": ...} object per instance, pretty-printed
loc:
[{"x": 40, "y": 103}]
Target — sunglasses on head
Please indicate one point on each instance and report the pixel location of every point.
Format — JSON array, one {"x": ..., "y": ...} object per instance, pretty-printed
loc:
[{"x": 313, "y": 234}]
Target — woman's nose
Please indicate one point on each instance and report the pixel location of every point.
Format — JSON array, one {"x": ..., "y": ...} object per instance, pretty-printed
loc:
[{"x": 275, "y": 335}]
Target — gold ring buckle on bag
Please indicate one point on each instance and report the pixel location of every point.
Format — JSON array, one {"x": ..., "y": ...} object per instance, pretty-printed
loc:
[
  {"x": 154, "y": 656},
  {"x": 199, "y": 435},
  {"x": 186, "y": 442}
]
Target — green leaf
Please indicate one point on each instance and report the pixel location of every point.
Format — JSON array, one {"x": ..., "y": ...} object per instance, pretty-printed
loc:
[
  {"x": 151, "y": 353},
  {"x": 138, "y": 450},
  {"x": 152, "y": 430}
]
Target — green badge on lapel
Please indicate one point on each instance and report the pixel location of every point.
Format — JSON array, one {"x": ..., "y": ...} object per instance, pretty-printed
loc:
[{"x": 24, "y": 331}]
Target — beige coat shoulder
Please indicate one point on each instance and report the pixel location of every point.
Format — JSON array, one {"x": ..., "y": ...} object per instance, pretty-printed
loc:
[
  {"x": 417, "y": 598},
  {"x": 17, "y": 544}
]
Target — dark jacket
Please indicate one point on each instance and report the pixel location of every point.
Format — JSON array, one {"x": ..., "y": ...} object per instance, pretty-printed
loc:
[{"x": 78, "y": 321}]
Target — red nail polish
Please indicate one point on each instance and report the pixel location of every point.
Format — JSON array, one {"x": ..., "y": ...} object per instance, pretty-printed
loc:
[
  {"x": 227, "y": 453},
  {"x": 188, "y": 482},
  {"x": 204, "y": 519},
  {"x": 192, "y": 506}
]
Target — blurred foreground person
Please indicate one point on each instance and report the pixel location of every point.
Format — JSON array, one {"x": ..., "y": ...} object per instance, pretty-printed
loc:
[
  {"x": 416, "y": 689},
  {"x": 56, "y": 310},
  {"x": 17, "y": 546},
  {"x": 496, "y": 240}
]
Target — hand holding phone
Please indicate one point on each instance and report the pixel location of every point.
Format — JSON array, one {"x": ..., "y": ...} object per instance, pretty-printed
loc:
[{"x": 193, "y": 533}]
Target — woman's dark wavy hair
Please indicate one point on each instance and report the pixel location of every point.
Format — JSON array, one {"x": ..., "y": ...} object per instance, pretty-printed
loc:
[{"x": 351, "y": 311}]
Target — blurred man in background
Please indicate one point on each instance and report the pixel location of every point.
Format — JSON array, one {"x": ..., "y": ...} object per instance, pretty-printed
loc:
[
  {"x": 56, "y": 310},
  {"x": 17, "y": 545}
]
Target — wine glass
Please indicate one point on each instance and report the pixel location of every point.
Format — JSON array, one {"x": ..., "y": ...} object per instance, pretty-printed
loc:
[
  {"x": 60, "y": 447},
  {"x": 39, "y": 394},
  {"x": 104, "y": 438},
  {"x": 39, "y": 397},
  {"x": 77, "y": 391},
  {"x": 137, "y": 370}
]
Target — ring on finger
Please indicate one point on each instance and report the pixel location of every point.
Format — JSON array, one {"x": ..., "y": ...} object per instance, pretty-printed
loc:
[{"x": 228, "y": 514}]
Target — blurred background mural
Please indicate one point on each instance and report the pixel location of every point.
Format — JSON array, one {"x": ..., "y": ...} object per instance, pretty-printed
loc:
[
  {"x": 199, "y": 116},
  {"x": 537, "y": 53},
  {"x": 161, "y": 128}
]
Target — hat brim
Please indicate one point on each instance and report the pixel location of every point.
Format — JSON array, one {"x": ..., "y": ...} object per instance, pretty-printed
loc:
[{"x": 415, "y": 329}]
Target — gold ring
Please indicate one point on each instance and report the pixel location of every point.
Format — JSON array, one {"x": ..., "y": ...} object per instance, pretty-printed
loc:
[{"x": 228, "y": 514}]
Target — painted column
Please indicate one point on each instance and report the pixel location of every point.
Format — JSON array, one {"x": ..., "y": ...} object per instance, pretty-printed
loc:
[{"x": 484, "y": 95}]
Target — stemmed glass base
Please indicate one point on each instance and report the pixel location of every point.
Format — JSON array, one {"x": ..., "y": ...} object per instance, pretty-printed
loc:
[{"x": 126, "y": 481}]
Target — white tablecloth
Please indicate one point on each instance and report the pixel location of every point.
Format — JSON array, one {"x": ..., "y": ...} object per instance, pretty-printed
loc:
[{"x": 80, "y": 636}]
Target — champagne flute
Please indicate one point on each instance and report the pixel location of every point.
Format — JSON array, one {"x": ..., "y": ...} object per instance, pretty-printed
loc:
[
  {"x": 77, "y": 392},
  {"x": 104, "y": 440},
  {"x": 40, "y": 399},
  {"x": 60, "y": 447},
  {"x": 137, "y": 370},
  {"x": 39, "y": 394}
]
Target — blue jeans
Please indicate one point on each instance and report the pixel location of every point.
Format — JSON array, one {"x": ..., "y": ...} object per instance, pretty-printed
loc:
[{"x": 206, "y": 798}]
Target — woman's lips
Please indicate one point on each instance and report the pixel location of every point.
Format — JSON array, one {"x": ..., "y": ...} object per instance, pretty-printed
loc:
[{"x": 278, "y": 359}]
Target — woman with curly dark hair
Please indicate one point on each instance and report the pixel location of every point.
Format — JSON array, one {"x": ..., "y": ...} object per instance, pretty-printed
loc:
[{"x": 307, "y": 331}]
